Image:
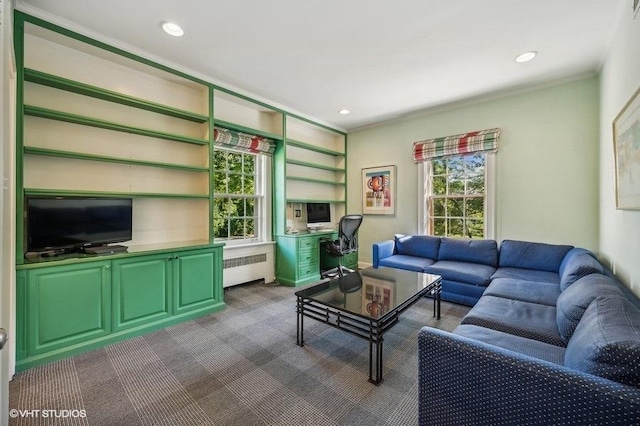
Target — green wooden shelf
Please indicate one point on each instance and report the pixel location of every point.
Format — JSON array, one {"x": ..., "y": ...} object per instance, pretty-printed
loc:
[
  {"x": 92, "y": 122},
  {"x": 309, "y": 147},
  {"x": 104, "y": 158},
  {"x": 71, "y": 193},
  {"x": 248, "y": 130},
  {"x": 314, "y": 166},
  {"x": 325, "y": 182},
  {"x": 50, "y": 80}
]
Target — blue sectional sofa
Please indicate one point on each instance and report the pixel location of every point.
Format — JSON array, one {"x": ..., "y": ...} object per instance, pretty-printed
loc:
[
  {"x": 520, "y": 357},
  {"x": 468, "y": 266},
  {"x": 553, "y": 339}
]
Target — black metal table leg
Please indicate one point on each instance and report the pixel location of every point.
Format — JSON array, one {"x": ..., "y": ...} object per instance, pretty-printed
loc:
[
  {"x": 300, "y": 324},
  {"x": 434, "y": 293},
  {"x": 375, "y": 354},
  {"x": 439, "y": 297}
]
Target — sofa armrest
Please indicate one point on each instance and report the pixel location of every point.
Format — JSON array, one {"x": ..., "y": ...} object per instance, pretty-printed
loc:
[
  {"x": 383, "y": 249},
  {"x": 463, "y": 381}
]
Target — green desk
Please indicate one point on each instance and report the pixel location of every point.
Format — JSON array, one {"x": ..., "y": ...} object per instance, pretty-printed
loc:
[{"x": 300, "y": 260}]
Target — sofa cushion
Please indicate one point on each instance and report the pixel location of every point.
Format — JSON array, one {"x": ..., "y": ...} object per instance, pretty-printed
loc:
[
  {"x": 530, "y": 347},
  {"x": 606, "y": 341},
  {"x": 484, "y": 252},
  {"x": 526, "y": 291},
  {"x": 418, "y": 245},
  {"x": 573, "y": 252},
  {"x": 472, "y": 273},
  {"x": 461, "y": 293},
  {"x": 526, "y": 274},
  {"x": 401, "y": 261},
  {"x": 574, "y": 301},
  {"x": 530, "y": 320},
  {"x": 530, "y": 255},
  {"x": 578, "y": 266}
]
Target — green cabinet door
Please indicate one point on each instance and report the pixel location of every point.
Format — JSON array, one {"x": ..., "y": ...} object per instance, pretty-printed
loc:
[
  {"x": 68, "y": 305},
  {"x": 197, "y": 280},
  {"x": 21, "y": 315},
  {"x": 141, "y": 290}
]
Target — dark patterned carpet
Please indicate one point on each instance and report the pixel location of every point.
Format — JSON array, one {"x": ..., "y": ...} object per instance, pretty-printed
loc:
[{"x": 240, "y": 366}]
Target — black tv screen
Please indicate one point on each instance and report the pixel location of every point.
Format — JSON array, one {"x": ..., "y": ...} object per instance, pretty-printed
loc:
[
  {"x": 74, "y": 222},
  {"x": 318, "y": 213}
]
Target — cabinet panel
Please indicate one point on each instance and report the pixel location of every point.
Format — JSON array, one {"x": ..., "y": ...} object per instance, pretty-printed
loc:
[
  {"x": 196, "y": 281},
  {"x": 21, "y": 315},
  {"x": 141, "y": 291},
  {"x": 68, "y": 305}
]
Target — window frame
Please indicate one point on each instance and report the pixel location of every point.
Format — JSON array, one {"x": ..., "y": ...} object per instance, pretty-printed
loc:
[
  {"x": 262, "y": 195},
  {"x": 424, "y": 178}
]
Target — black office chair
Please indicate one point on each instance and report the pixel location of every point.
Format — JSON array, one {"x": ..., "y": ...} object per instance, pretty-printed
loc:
[{"x": 346, "y": 243}]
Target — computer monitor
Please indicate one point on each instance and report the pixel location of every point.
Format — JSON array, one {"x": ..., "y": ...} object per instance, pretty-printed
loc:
[{"x": 318, "y": 215}]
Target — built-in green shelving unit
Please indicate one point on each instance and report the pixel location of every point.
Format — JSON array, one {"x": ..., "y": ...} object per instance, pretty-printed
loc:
[{"x": 109, "y": 95}]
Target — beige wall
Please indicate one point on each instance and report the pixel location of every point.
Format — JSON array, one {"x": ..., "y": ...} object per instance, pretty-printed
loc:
[
  {"x": 620, "y": 78},
  {"x": 547, "y": 164}
]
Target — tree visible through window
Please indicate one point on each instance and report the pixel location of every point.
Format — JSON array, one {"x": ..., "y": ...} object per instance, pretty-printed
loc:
[
  {"x": 237, "y": 198},
  {"x": 456, "y": 199}
]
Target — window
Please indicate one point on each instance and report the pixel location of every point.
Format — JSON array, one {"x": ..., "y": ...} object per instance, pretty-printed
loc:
[
  {"x": 239, "y": 182},
  {"x": 456, "y": 196}
]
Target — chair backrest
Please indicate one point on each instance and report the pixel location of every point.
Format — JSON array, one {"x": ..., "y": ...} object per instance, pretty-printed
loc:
[{"x": 348, "y": 232}]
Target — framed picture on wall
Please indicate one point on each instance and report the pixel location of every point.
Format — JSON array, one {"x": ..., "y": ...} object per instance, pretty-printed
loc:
[
  {"x": 626, "y": 149},
  {"x": 379, "y": 190}
]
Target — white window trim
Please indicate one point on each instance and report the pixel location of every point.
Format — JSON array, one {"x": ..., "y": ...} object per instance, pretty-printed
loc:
[
  {"x": 490, "y": 194},
  {"x": 263, "y": 182}
]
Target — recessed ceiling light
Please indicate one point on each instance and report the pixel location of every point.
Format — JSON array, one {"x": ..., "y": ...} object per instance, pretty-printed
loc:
[
  {"x": 526, "y": 56},
  {"x": 172, "y": 29},
  {"x": 344, "y": 111}
]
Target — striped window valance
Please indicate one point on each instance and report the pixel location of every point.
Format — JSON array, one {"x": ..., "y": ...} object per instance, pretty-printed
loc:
[
  {"x": 467, "y": 143},
  {"x": 242, "y": 141}
]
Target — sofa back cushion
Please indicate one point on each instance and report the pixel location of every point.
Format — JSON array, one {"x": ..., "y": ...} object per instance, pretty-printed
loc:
[
  {"x": 578, "y": 266},
  {"x": 484, "y": 252},
  {"x": 574, "y": 251},
  {"x": 530, "y": 255},
  {"x": 418, "y": 245},
  {"x": 607, "y": 341},
  {"x": 572, "y": 302}
]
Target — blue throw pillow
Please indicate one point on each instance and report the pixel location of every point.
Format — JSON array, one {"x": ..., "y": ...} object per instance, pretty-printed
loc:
[
  {"x": 418, "y": 245},
  {"x": 530, "y": 255},
  {"x": 572, "y": 302},
  {"x": 577, "y": 267},
  {"x": 484, "y": 252},
  {"x": 607, "y": 341}
]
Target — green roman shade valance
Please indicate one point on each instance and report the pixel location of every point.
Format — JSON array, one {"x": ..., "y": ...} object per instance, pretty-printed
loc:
[
  {"x": 467, "y": 143},
  {"x": 242, "y": 141}
]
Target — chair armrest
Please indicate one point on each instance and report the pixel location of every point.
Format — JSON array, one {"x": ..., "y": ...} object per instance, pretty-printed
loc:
[
  {"x": 463, "y": 381},
  {"x": 383, "y": 249}
]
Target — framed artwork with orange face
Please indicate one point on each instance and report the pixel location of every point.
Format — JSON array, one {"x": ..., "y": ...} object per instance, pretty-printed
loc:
[{"x": 379, "y": 190}]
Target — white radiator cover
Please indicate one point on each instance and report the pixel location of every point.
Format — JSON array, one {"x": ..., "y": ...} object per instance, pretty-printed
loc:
[{"x": 248, "y": 263}]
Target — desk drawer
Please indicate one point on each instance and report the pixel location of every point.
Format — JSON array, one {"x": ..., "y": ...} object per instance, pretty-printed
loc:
[
  {"x": 308, "y": 256},
  {"x": 308, "y": 270},
  {"x": 307, "y": 243},
  {"x": 351, "y": 260}
]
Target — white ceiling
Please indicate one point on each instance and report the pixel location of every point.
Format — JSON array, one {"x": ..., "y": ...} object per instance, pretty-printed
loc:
[{"x": 381, "y": 59}]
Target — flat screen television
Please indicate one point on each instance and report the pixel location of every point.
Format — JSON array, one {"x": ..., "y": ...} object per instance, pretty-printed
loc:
[
  {"x": 72, "y": 223},
  {"x": 318, "y": 215}
]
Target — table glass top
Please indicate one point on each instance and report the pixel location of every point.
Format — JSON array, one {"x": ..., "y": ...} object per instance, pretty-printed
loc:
[{"x": 369, "y": 292}]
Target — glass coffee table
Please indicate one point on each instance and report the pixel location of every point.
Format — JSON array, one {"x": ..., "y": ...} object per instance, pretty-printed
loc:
[{"x": 366, "y": 303}]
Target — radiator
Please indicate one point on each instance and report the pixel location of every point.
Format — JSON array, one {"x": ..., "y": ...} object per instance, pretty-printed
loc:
[{"x": 245, "y": 264}]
